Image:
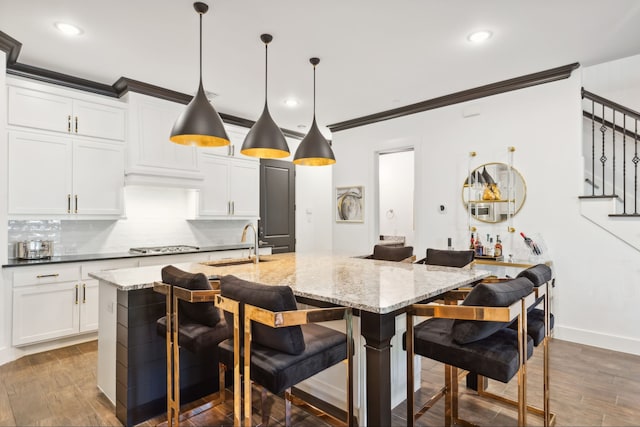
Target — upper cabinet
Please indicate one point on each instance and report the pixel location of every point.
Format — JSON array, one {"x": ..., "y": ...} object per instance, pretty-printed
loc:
[
  {"x": 62, "y": 177},
  {"x": 151, "y": 157},
  {"x": 230, "y": 190},
  {"x": 65, "y": 156},
  {"x": 64, "y": 114},
  {"x": 236, "y": 137}
]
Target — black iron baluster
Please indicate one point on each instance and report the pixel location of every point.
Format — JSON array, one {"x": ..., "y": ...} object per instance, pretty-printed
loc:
[
  {"x": 603, "y": 158},
  {"x": 613, "y": 152},
  {"x": 624, "y": 165},
  {"x": 635, "y": 162},
  {"x": 593, "y": 149}
]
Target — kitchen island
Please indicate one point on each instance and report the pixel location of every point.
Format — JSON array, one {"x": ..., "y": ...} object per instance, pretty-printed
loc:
[{"x": 379, "y": 291}]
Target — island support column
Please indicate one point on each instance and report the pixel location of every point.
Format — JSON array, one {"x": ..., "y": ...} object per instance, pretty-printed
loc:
[{"x": 378, "y": 329}]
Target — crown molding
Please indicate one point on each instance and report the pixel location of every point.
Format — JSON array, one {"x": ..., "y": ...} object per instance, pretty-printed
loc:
[
  {"x": 503, "y": 86},
  {"x": 10, "y": 46}
]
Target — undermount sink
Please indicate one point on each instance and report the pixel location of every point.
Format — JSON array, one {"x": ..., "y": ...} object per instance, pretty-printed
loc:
[{"x": 234, "y": 261}]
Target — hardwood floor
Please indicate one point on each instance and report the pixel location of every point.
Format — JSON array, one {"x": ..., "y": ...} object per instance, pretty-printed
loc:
[{"x": 589, "y": 387}]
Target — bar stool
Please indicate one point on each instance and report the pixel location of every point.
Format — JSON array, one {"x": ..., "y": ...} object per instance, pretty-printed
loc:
[
  {"x": 539, "y": 325},
  {"x": 393, "y": 253},
  {"x": 199, "y": 328},
  {"x": 475, "y": 337},
  {"x": 284, "y": 346},
  {"x": 447, "y": 258}
]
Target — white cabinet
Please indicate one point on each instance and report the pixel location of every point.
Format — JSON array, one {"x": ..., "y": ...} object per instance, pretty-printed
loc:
[
  {"x": 231, "y": 188},
  {"x": 46, "y": 303},
  {"x": 44, "y": 110},
  {"x": 236, "y": 135},
  {"x": 52, "y": 175},
  {"x": 151, "y": 157},
  {"x": 57, "y": 300}
]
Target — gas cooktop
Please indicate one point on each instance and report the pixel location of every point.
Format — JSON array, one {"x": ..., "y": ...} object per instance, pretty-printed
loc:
[{"x": 164, "y": 249}]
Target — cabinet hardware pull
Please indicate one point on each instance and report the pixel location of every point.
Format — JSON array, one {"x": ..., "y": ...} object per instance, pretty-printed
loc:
[
  {"x": 69, "y": 123},
  {"x": 229, "y": 207},
  {"x": 233, "y": 150},
  {"x": 68, "y": 203},
  {"x": 84, "y": 293},
  {"x": 40, "y": 276},
  {"x": 76, "y": 294},
  {"x": 76, "y": 124},
  {"x": 76, "y": 199},
  {"x": 233, "y": 208}
]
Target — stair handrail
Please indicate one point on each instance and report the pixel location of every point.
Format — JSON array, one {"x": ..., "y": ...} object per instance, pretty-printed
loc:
[{"x": 609, "y": 103}]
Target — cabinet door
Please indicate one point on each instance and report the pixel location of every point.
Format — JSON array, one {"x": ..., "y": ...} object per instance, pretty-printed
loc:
[
  {"x": 99, "y": 120},
  {"x": 151, "y": 124},
  {"x": 39, "y": 174},
  {"x": 45, "y": 312},
  {"x": 214, "y": 194},
  {"x": 244, "y": 188},
  {"x": 39, "y": 110},
  {"x": 89, "y": 305},
  {"x": 98, "y": 178}
]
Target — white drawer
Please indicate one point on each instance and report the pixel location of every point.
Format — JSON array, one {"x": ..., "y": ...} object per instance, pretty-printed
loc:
[
  {"x": 94, "y": 266},
  {"x": 46, "y": 274}
]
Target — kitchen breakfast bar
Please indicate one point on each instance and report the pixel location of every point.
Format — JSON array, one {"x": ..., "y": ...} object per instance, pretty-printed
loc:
[{"x": 378, "y": 291}]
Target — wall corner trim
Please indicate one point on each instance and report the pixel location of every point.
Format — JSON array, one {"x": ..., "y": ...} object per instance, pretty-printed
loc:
[{"x": 10, "y": 46}]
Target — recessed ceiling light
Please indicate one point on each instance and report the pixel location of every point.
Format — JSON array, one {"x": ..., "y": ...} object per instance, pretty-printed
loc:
[
  {"x": 68, "y": 29},
  {"x": 479, "y": 36},
  {"x": 291, "y": 102}
]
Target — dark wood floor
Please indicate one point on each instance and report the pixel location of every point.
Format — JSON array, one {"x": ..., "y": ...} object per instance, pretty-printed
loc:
[{"x": 589, "y": 387}]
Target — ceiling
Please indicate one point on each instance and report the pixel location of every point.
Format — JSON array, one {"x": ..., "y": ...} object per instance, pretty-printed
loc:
[{"x": 375, "y": 55}]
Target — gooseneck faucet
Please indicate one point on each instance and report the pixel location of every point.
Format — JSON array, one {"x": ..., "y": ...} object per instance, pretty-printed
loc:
[{"x": 255, "y": 239}]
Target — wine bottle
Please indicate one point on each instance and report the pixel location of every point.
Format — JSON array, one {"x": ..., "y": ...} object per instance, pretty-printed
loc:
[
  {"x": 498, "y": 248},
  {"x": 472, "y": 246},
  {"x": 531, "y": 244}
]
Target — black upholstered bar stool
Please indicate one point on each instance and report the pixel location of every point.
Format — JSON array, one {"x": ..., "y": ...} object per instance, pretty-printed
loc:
[
  {"x": 474, "y": 336},
  {"x": 447, "y": 258},
  {"x": 392, "y": 253},
  {"x": 284, "y": 346},
  {"x": 193, "y": 322}
]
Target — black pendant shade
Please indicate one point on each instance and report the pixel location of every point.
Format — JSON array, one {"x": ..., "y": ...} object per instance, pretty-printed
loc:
[
  {"x": 265, "y": 139},
  {"x": 200, "y": 124},
  {"x": 314, "y": 149}
]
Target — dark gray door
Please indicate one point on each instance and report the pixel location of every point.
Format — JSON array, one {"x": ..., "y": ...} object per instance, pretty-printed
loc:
[{"x": 277, "y": 225}]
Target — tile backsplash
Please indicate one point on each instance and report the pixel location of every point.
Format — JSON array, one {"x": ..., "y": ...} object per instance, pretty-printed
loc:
[{"x": 155, "y": 217}]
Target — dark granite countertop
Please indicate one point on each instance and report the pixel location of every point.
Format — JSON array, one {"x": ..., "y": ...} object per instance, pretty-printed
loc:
[{"x": 120, "y": 255}]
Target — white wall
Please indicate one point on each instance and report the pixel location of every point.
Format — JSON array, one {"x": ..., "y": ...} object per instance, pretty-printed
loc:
[
  {"x": 615, "y": 80},
  {"x": 596, "y": 274},
  {"x": 395, "y": 183}
]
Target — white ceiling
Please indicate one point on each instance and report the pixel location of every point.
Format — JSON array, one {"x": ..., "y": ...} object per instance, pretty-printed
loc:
[{"x": 375, "y": 55}]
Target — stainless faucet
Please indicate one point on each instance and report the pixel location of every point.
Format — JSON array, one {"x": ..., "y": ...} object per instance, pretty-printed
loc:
[{"x": 255, "y": 239}]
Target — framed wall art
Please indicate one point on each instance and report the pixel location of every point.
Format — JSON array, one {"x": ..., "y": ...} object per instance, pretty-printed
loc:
[{"x": 350, "y": 204}]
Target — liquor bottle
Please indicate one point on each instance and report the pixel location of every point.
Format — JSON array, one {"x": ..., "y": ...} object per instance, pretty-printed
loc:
[
  {"x": 472, "y": 246},
  {"x": 489, "y": 249},
  {"x": 478, "y": 246},
  {"x": 497, "y": 252},
  {"x": 531, "y": 244},
  {"x": 449, "y": 244}
]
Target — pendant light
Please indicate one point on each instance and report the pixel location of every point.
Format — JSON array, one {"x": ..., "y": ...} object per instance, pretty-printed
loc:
[
  {"x": 265, "y": 139},
  {"x": 314, "y": 149},
  {"x": 199, "y": 124}
]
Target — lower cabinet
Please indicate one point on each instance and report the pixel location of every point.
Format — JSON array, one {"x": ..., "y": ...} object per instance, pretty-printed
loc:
[{"x": 54, "y": 310}]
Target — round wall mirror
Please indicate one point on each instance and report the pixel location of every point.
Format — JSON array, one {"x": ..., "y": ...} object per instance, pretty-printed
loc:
[{"x": 494, "y": 191}]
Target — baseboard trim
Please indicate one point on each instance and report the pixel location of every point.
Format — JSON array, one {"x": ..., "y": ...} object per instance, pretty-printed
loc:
[
  {"x": 596, "y": 339},
  {"x": 9, "y": 354}
]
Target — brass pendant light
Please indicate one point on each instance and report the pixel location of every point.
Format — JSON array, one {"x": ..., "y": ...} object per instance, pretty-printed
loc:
[
  {"x": 200, "y": 124},
  {"x": 265, "y": 139},
  {"x": 314, "y": 149}
]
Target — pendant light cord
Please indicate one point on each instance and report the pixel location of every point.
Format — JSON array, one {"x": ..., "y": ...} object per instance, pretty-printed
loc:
[
  {"x": 266, "y": 55},
  {"x": 200, "y": 48},
  {"x": 314, "y": 92}
]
